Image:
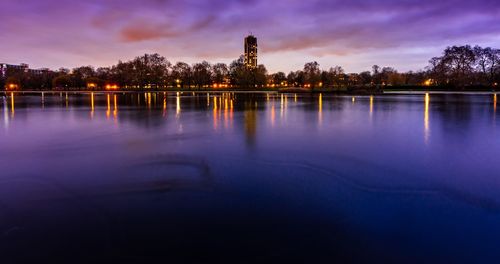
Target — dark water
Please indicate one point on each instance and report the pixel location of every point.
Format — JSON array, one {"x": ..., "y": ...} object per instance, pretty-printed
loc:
[{"x": 249, "y": 178}]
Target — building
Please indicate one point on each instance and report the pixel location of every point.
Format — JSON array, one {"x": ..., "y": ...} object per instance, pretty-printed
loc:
[
  {"x": 251, "y": 52},
  {"x": 3, "y": 70},
  {"x": 23, "y": 67},
  {"x": 39, "y": 71},
  {"x": 5, "y": 67}
]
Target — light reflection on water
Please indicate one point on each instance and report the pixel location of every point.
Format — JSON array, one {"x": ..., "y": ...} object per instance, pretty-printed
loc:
[
  {"x": 494, "y": 102},
  {"x": 91, "y": 105},
  {"x": 12, "y": 105},
  {"x": 426, "y": 118},
  {"x": 323, "y": 169}
]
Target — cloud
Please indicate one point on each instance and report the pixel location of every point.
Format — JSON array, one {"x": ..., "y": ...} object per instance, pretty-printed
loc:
[
  {"x": 146, "y": 30},
  {"x": 140, "y": 31},
  {"x": 200, "y": 29}
]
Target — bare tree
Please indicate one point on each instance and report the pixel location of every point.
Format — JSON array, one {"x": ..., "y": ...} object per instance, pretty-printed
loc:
[
  {"x": 182, "y": 74},
  {"x": 202, "y": 75},
  {"x": 312, "y": 73},
  {"x": 220, "y": 72},
  {"x": 487, "y": 63}
]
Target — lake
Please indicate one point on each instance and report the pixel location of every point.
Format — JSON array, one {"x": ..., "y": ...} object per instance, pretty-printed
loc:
[{"x": 249, "y": 178}]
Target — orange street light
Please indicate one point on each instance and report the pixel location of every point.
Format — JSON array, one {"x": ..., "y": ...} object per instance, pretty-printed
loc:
[
  {"x": 12, "y": 86},
  {"x": 428, "y": 82},
  {"x": 112, "y": 87}
]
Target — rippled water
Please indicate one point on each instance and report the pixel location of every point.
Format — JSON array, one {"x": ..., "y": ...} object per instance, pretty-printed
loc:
[{"x": 249, "y": 178}]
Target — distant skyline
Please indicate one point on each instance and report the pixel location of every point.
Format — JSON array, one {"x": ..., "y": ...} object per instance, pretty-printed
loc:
[{"x": 353, "y": 34}]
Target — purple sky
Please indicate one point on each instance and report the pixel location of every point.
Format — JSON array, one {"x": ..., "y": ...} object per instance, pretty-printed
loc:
[{"x": 354, "y": 34}]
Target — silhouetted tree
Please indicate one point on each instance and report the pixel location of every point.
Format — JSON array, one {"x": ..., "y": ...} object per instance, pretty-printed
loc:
[
  {"x": 240, "y": 74},
  {"x": 438, "y": 71},
  {"x": 389, "y": 76},
  {"x": 312, "y": 74},
  {"x": 365, "y": 78},
  {"x": 103, "y": 73},
  {"x": 487, "y": 63},
  {"x": 259, "y": 75},
  {"x": 292, "y": 79},
  {"x": 121, "y": 74},
  {"x": 62, "y": 81},
  {"x": 150, "y": 70},
  {"x": 182, "y": 74},
  {"x": 279, "y": 78},
  {"x": 376, "y": 75},
  {"x": 459, "y": 64},
  {"x": 202, "y": 75},
  {"x": 220, "y": 72},
  {"x": 80, "y": 75},
  {"x": 337, "y": 76}
]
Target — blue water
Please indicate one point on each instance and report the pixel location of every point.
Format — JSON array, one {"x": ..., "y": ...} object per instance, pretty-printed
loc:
[{"x": 249, "y": 178}]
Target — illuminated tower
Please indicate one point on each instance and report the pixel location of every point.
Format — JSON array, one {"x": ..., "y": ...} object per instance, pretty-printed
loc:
[{"x": 251, "y": 52}]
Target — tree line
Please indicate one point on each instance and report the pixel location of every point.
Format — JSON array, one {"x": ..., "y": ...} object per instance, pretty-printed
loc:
[
  {"x": 461, "y": 66},
  {"x": 458, "y": 67}
]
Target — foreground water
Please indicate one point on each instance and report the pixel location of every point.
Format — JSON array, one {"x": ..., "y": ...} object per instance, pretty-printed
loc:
[{"x": 249, "y": 178}]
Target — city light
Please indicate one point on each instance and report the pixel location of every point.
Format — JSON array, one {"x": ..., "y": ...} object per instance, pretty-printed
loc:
[
  {"x": 250, "y": 56},
  {"x": 220, "y": 85},
  {"x": 109, "y": 154},
  {"x": 12, "y": 86},
  {"x": 112, "y": 87}
]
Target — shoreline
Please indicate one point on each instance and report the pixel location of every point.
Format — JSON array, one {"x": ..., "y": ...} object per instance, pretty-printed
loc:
[{"x": 390, "y": 92}]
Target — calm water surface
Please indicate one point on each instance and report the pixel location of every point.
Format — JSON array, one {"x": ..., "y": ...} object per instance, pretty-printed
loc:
[{"x": 249, "y": 178}]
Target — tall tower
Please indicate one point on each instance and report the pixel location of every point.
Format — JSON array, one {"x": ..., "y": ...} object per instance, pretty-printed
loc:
[{"x": 251, "y": 52}]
